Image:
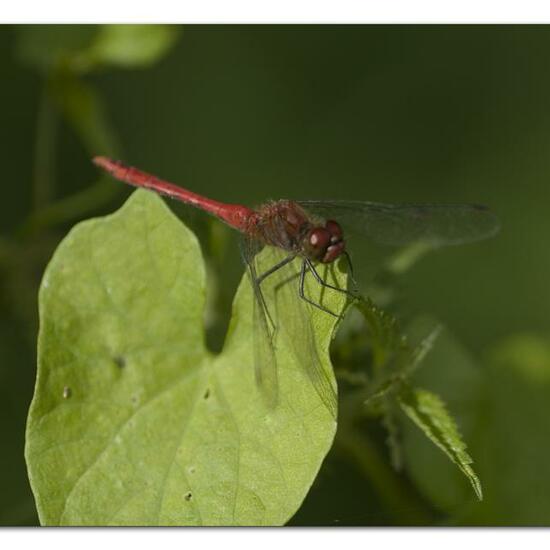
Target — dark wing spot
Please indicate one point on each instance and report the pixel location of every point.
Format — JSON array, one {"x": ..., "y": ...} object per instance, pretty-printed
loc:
[{"x": 119, "y": 361}]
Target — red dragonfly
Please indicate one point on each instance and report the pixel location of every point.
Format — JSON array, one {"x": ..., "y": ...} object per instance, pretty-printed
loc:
[{"x": 308, "y": 231}]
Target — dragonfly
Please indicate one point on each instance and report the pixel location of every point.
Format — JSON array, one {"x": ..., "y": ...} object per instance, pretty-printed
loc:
[{"x": 305, "y": 235}]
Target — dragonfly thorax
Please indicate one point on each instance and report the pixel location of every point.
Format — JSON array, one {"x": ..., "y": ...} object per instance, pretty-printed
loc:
[{"x": 286, "y": 225}]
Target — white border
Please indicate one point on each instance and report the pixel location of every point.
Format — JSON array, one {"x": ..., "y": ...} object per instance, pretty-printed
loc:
[
  {"x": 275, "y": 11},
  {"x": 273, "y": 539},
  {"x": 282, "y": 11}
]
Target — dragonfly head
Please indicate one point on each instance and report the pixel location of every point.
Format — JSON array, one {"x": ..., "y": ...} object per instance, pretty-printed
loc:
[{"x": 325, "y": 244}]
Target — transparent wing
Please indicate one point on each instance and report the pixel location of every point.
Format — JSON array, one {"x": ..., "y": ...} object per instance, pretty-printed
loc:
[
  {"x": 400, "y": 224},
  {"x": 281, "y": 315},
  {"x": 305, "y": 346},
  {"x": 265, "y": 360}
]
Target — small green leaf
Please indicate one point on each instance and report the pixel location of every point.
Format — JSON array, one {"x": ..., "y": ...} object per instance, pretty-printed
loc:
[
  {"x": 82, "y": 48},
  {"x": 422, "y": 349},
  {"x": 134, "y": 421},
  {"x": 49, "y": 46},
  {"x": 132, "y": 45},
  {"x": 408, "y": 360},
  {"x": 429, "y": 413}
]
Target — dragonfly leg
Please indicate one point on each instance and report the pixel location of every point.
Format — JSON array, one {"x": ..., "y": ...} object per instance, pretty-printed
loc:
[
  {"x": 350, "y": 265},
  {"x": 261, "y": 299},
  {"x": 319, "y": 279},
  {"x": 305, "y": 266},
  {"x": 261, "y": 278},
  {"x": 276, "y": 267}
]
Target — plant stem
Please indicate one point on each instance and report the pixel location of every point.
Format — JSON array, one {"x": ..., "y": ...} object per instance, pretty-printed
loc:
[
  {"x": 44, "y": 149},
  {"x": 70, "y": 208}
]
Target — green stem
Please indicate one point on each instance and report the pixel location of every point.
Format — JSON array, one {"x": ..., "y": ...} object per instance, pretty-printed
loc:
[
  {"x": 83, "y": 110},
  {"x": 44, "y": 150},
  {"x": 74, "y": 207}
]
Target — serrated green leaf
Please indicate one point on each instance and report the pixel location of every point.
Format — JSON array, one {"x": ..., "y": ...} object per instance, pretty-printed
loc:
[
  {"x": 452, "y": 373},
  {"x": 502, "y": 409},
  {"x": 408, "y": 360},
  {"x": 429, "y": 413},
  {"x": 134, "y": 421},
  {"x": 421, "y": 350}
]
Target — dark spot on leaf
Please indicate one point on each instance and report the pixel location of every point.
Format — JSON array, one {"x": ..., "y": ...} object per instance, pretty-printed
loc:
[
  {"x": 188, "y": 496},
  {"x": 120, "y": 361},
  {"x": 191, "y": 469},
  {"x": 67, "y": 392},
  {"x": 206, "y": 393}
]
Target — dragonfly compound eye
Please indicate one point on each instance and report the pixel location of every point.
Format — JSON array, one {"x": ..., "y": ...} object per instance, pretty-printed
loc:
[
  {"x": 319, "y": 239},
  {"x": 324, "y": 245},
  {"x": 335, "y": 231}
]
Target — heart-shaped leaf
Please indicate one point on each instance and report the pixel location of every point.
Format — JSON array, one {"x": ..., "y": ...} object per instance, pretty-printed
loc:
[{"x": 134, "y": 421}]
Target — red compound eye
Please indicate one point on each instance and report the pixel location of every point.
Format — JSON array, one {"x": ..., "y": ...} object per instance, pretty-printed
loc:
[
  {"x": 334, "y": 229},
  {"x": 319, "y": 239}
]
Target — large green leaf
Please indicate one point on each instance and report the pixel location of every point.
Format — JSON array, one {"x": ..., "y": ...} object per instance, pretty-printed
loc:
[{"x": 134, "y": 421}]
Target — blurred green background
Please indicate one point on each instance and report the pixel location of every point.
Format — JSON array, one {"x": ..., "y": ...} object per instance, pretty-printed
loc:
[{"x": 246, "y": 114}]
